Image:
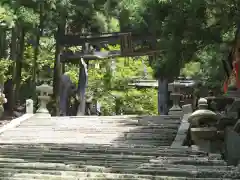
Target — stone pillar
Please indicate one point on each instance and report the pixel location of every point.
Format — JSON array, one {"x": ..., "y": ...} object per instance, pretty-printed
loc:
[
  {"x": 162, "y": 97},
  {"x": 187, "y": 108},
  {"x": 175, "y": 96},
  {"x": 29, "y": 106},
  {"x": 45, "y": 91}
]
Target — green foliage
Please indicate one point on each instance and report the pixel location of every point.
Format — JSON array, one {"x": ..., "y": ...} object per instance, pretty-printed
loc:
[
  {"x": 183, "y": 28},
  {"x": 4, "y": 66},
  {"x": 107, "y": 85},
  {"x": 189, "y": 34},
  {"x": 140, "y": 101},
  {"x": 104, "y": 83},
  {"x": 6, "y": 17},
  {"x": 208, "y": 68},
  {"x": 211, "y": 66},
  {"x": 27, "y": 16},
  {"x": 191, "y": 69}
]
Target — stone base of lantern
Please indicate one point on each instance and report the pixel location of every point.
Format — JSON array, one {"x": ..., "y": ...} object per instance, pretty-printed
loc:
[
  {"x": 42, "y": 115},
  {"x": 42, "y": 112},
  {"x": 176, "y": 110}
]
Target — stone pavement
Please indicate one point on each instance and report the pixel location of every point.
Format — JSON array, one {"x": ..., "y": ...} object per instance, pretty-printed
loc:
[{"x": 101, "y": 148}]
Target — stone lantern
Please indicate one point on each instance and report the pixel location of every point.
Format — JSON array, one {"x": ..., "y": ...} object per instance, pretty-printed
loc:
[
  {"x": 175, "y": 96},
  {"x": 44, "y": 97},
  {"x": 203, "y": 130}
]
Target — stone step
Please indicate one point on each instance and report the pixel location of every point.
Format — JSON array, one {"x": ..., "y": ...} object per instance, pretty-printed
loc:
[
  {"x": 81, "y": 157},
  {"x": 188, "y": 167},
  {"x": 124, "y": 167},
  {"x": 197, "y": 161},
  {"x": 123, "y": 117},
  {"x": 164, "y": 134},
  {"x": 150, "y": 128},
  {"x": 113, "y": 161},
  {"x": 91, "y": 132},
  {"x": 96, "y": 165},
  {"x": 105, "y": 119},
  {"x": 99, "y": 149},
  {"x": 178, "y": 172},
  {"x": 91, "y": 140},
  {"x": 94, "y": 125},
  {"x": 158, "y": 131},
  {"x": 160, "y": 172},
  {"x": 178, "y": 159},
  {"x": 88, "y": 140},
  {"x": 167, "y": 135},
  {"x": 103, "y": 178},
  {"x": 93, "y": 146},
  {"x": 105, "y": 148},
  {"x": 100, "y": 160},
  {"x": 96, "y": 176},
  {"x": 155, "y": 137},
  {"x": 175, "y": 172},
  {"x": 94, "y": 122},
  {"x": 41, "y": 174}
]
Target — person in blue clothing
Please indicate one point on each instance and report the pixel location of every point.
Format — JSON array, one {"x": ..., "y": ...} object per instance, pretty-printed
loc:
[{"x": 67, "y": 89}]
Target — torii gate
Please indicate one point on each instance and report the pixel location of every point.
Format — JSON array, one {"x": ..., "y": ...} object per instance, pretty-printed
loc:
[{"x": 126, "y": 41}]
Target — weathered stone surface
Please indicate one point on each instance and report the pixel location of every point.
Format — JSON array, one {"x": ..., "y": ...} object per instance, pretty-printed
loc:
[
  {"x": 108, "y": 161},
  {"x": 182, "y": 132},
  {"x": 101, "y": 148},
  {"x": 232, "y": 147},
  {"x": 29, "y": 106}
]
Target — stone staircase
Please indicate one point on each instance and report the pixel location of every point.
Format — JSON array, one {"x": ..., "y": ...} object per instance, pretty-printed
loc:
[
  {"x": 85, "y": 161},
  {"x": 154, "y": 131},
  {"x": 104, "y": 148}
]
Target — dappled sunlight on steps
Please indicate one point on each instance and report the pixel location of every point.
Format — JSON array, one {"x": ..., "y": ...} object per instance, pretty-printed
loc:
[
  {"x": 152, "y": 130},
  {"x": 101, "y": 148}
]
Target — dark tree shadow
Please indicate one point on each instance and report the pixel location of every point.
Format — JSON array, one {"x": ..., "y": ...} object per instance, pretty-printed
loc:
[{"x": 149, "y": 131}]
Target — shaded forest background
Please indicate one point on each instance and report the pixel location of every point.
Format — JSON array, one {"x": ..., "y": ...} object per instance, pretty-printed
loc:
[{"x": 194, "y": 37}]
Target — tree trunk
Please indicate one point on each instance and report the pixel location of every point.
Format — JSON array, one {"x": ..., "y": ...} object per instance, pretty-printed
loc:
[
  {"x": 162, "y": 96},
  {"x": 19, "y": 62},
  {"x": 63, "y": 68},
  {"x": 57, "y": 66},
  {"x": 3, "y": 43},
  {"x": 57, "y": 74},
  {"x": 36, "y": 48},
  {"x": 12, "y": 70}
]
